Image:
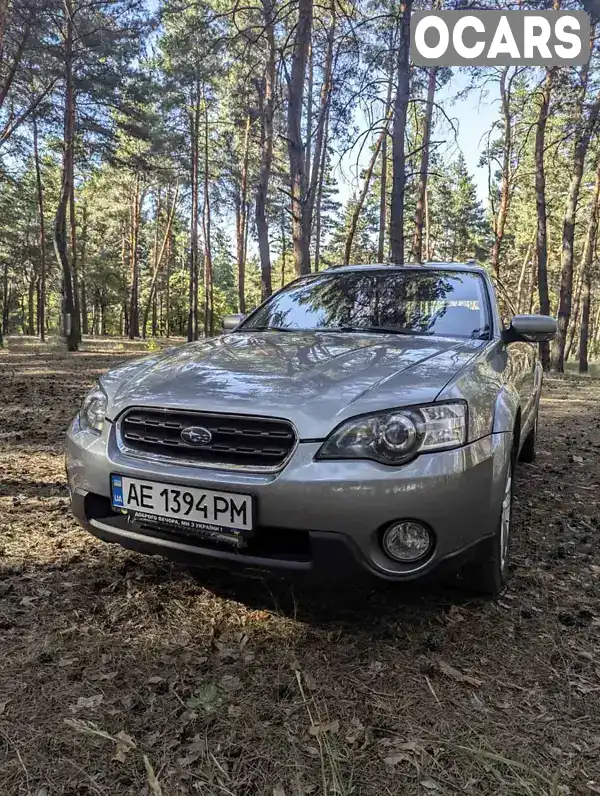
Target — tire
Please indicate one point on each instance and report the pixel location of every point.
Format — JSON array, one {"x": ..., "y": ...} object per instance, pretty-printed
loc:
[
  {"x": 487, "y": 574},
  {"x": 528, "y": 451}
]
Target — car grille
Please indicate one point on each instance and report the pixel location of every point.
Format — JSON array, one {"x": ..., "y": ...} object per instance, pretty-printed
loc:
[{"x": 237, "y": 440}]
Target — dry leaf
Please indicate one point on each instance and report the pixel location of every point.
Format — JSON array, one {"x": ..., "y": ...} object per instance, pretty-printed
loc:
[
  {"x": 400, "y": 757},
  {"x": 3, "y": 706},
  {"x": 310, "y": 681},
  {"x": 577, "y": 459},
  {"x": 279, "y": 790},
  {"x": 125, "y": 744},
  {"x": 409, "y": 746},
  {"x": 230, "y": 683},
  {"x": 460, "y": 677},
  {"x": 66, "y": 661},
  {"x": 28, "y": 601},
  {"x": 89, "y": 702},
  {"x": 319, "y": 729},
  {"x": 152, "y": 738},
  {"x": 190, "y": 758},
  {"x": 194, "y": 750},
  {"x": 312, "y": 750},
  {"x": 103, "y": 676},
  {"x": 356, "y": 732},
  {"x": 430, "y": 784},
  {"x": 454, "y": 616},
  {"x": 155, "y": 679}
]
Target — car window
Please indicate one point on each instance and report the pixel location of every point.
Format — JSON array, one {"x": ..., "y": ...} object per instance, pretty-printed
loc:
[{"x": 449, "y": 303}]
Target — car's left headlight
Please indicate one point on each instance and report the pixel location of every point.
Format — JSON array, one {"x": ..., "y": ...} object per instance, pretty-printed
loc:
[
  {"x": 398, "y": 435},
  {"x": 93, "y": 410}
]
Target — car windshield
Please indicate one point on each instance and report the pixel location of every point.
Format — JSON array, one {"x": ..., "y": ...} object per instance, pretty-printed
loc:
[{"x": 409, "y": 301}]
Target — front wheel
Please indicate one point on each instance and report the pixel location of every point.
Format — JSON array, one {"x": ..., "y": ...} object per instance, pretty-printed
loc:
[
  {"x": 527, "y": 454},
  {"x": 487, "y": 574}
]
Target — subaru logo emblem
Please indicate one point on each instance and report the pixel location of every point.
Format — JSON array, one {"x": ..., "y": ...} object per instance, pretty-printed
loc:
[{"x": 196, "y": 435}]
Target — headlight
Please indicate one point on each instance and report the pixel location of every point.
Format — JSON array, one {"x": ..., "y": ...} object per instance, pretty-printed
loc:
[
  {"x": 93, "y": 410},
  {"x": 396, "y": 436}
]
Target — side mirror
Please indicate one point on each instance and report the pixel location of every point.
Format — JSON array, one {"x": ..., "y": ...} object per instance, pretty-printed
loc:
[
  {"x": 231, "y": 321},
  {"x": 530, "y": 329}
]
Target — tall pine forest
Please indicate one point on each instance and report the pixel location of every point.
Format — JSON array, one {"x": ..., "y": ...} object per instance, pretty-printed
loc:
[{"x": 166, "y": 162}]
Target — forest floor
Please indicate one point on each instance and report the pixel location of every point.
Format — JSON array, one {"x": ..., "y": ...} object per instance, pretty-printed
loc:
[{"x": 122, "y": 675}]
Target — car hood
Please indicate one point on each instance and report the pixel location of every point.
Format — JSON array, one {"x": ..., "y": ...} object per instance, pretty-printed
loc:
[{"x": 314, "y": 379}]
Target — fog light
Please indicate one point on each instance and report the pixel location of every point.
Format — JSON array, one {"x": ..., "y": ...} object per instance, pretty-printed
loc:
[{"x": 407, "y": 541}]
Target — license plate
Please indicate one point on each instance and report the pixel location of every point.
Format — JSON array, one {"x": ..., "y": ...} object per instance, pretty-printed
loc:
[{"x": 189, "y": 509}]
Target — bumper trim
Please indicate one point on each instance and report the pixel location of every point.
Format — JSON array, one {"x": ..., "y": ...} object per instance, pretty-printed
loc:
[
  {"x": 336, "y": 558},
  {"x": 121, "y": 534}
]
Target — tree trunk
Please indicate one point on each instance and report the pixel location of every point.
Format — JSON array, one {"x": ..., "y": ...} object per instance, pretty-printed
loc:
[
  {"x": 158, "y": 257},
  {"x": 168, "y": 289},
  {"x": 123, "y": 330},
  {"x": 154, "y": 268},
  {"x": 82, "y": 269},
  {"x": 596, "y": 331},
  {"x": 574, "y": 326},
  {"x": 586, "y": 271},
  {"x": 319, "y": 198},
  {"x": 31, "y": 304},
  {"x": 399, "y": 136},
  {"x": 585, "y": 324},
  {"x": 586, "y": 127},
  {"x": 540, "y": 202},
  {"x": 283, "y": 247},
  {"x": 309, "y": 108},
  {"x": 206, "y": 222},
  {"x": 298, "y": 177},
  {"x": 266, "y": 152},
  {"x": 500, "y": 217},
  {"x": 524, "y": 271},
  {"x": 70, "y": 309},
  {"x": 384, "y": 170},
  {"x": 417, "y": 243},
  {"x": 42, "y": 231},
  {"x": 322, "y": 124},
  {"x": 192, "y": 330},
  {"x": 3, "y": 18},
  {"x": 5, "y": 301},
  {"x": 363, "y": 195},
  {"x": 242, "y": 219},
  {"x": 134, "y": 312}
]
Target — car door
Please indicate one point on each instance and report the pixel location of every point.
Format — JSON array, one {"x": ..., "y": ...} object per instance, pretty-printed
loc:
[{"x": 522, "y": 368}]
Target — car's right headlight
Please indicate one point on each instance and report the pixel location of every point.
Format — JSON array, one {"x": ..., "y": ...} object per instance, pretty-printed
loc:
[
  {"x": 93, "y": 410},
  {"x": 396, "y": 436}
]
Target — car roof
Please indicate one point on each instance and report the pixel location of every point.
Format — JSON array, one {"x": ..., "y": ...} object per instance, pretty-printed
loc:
[{"x": 468, "y": 266}]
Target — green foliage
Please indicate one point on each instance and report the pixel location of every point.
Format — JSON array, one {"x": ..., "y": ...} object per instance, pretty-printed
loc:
[{"x": 151, "y": 87}]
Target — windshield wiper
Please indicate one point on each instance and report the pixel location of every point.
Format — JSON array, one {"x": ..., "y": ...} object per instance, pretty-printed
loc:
[
  {"x": 481, "y": 334},
  {"x": 267, "y": 329},
  {"x": 377, "y": 330}
]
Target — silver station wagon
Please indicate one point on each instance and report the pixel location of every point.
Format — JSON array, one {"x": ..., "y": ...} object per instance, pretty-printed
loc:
[{"x": 364, "y": 419}]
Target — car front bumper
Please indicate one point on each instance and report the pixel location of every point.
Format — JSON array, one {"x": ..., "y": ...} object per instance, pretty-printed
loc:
[{"x": 319, "y": 518}]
